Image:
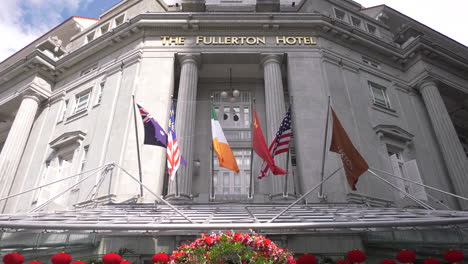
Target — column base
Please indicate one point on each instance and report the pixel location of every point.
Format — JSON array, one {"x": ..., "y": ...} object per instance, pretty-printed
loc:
[
  {"x": 282, "y": 197},
  {"x": 180, "y": 197}
]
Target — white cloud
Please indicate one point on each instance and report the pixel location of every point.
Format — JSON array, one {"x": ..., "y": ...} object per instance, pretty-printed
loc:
[{"x": 23, "y": 21}]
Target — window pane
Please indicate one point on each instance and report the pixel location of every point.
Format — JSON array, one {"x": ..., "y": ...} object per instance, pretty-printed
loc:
[{"x": 246, "y": 116}]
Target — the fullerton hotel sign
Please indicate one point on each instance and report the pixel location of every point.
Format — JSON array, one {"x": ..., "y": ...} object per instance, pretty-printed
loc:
[{"x": 238, "y": 40}]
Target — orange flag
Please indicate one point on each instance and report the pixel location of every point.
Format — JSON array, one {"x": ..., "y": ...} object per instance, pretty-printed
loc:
[
  {"x": 260, "y": 147},
  {"x": 353, "y": 163}
]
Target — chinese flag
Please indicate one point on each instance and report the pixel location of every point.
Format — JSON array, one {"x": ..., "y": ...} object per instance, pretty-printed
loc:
[
  {"x": 353, "y": 163},
  {"x": 260, "y": 147}
]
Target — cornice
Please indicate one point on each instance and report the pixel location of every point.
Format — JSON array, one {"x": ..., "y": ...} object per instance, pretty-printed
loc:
[{"x": 328, "y": 28}]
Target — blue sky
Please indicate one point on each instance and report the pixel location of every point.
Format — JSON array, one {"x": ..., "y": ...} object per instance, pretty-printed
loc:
[{"x": 23, "y": 21}]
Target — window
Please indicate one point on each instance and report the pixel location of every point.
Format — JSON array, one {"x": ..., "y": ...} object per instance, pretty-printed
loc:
[
  {"x": 406, "y": 170},
  {"x": 59, "y": 165},
  {"x": 104, "y": 28},
  {"x": 63, "y": 111},
  {"x": 82, "y": 165},
  {"x": 341, "y": 15},
  {"x": 229, "y": 185},
  {"x": 89, "y": 70},
  {"x": 90, "y": 36},
  {"x": 371, "y": 29},
  {"x": 82, "y": 102},
  {"x": 371, "y": 62},
  {"x": 233, "y": 114},
  {"x": 379, "y": 95},
  {"x": 56, "y": 169},
  {"x": 356, "y": 21},
  {"x": 119, "y": 20},
  {"x": 99, "y": 92}
]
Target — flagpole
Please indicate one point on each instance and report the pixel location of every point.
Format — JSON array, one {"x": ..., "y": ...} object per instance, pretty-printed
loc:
[
  {"x": 251, "y": 179},
  {"x": 286, "y": 177},
  {"x": 140, "y": 174},
  {"x": 212, "y": 194},
  {"x": 321, "y": 196},
  {"x": 304, "y": 195}
]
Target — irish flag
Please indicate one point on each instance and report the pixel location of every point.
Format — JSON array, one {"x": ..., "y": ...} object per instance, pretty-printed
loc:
[{"x": 221, "y": 147}]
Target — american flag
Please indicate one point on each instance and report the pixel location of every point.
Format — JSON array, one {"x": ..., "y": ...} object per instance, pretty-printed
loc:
[
  {"x": 280, "y": 143},
  {"x": 174, "y": 157}
]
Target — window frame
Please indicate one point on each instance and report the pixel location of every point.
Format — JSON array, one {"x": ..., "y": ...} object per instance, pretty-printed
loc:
[
  {"x": 99, "y": 92},
  {"x": 78, "y": 96},
  {"x": 63, "y": 111},
  {"x": 344, "y": 19},
  {"x": 108, "y": 25},
  {"x": 90, "y": 36},
  {"x": 371, "y": 31},
  {"x": 370, "y": 62},
  {"x": 386, "y": 103},
  {"x": 359, "y": 25},
  {"x": 116, "y": 20},
  {"x": 89, "y": 70}
]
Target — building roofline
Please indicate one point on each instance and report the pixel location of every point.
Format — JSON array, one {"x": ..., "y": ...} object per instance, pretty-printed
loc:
[
  {"x": 414, "y": 20},
  {"x": 32, "y": 42},
  {"x": 90, "y": 18},
  {"x": 371, "y": 7}
]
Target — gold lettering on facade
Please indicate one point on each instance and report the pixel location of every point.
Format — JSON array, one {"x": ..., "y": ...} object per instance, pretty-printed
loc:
[
  {"x": 167, "y": 40},
  {"x": 293, "y": 40},
  {"x": 239, "y": 40}
]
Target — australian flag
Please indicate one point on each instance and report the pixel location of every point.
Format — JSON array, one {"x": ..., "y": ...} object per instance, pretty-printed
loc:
[{"x": 154, "y": 134}]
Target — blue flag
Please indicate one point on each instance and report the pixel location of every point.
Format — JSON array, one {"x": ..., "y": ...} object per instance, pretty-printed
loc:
[{"x": 154, "y": 134}]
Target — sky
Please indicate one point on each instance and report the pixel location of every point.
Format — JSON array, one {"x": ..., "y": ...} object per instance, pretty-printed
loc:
[{"x": 23, "y": 21}]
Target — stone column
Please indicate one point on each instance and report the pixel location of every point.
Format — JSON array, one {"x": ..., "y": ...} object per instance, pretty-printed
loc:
[
  {"x": 15, "y": 143},
  {"x": 452, "y": 150},
  {"x": 275, "y": 111},
  {"x": 185, "y": 123}
]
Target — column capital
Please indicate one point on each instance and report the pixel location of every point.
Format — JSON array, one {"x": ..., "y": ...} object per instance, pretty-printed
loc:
[
  {"x": 31, "y": 93},
  {"x": 194, "y": 58},
  {"x": 425, "y": 83},
  {"x": 267, "y": 58}
]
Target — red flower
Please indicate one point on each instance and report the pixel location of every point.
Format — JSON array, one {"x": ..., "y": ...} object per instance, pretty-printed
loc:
[
  {"x": 454, "y": 256},
  {"x": 78, "y": 262},
  {"x": 35, "y": 262},
  {"x": 431, "y": 261},
  {"x": 306, "y": 259},
  {"x": 125, "y": 262},
  {"x": 238, "y": 237},
  {"x": 388, "y": 261},
  {"x": 61, "y": 258},
  {"x": 356, "y": 256},
  {"x": 13, "y": 258},
  {"x": 111, "y": 258},
  {"x": 342, "y": 261},
  {"x": 160, "y": 258},
  {"x": 406, "y": 256},
  {"x": 209, "y": 241}
]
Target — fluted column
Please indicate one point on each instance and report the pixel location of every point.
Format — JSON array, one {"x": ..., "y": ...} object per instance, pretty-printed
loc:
[
  {"x": 275, "y": 111},
  {"x": 15, "y": 143},
  {"x": 185, "y": 123},
  {"x": 452, "y": 150}
]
